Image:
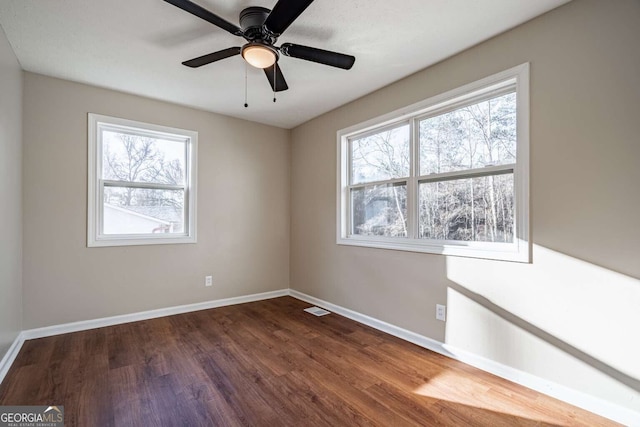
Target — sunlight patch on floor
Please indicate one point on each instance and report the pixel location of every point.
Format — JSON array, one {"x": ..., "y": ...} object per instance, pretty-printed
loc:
[{"x": 451, "y": 387}]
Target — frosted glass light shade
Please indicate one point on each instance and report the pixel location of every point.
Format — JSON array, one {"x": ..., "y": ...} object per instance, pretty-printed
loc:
[{"x": 259, "y": 56}]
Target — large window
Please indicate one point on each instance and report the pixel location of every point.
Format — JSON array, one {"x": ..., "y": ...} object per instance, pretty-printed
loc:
[
  {"x": 448, "y": 175},
  {"x": 141, "y": 183}
]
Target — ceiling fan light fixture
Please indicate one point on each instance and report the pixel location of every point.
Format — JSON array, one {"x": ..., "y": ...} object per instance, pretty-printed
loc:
[{"x": 259, "y": 55}]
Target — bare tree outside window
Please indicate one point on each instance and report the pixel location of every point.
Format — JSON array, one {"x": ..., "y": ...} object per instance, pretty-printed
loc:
[
  {"x": 380, "y": 160},
  {"x": 480, "y": 205},
  {"x": 134, "y": 159}
]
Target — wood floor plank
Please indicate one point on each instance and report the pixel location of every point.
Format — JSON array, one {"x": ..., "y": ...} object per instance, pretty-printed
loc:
[
  {"x": 414, "y": 410},
  {"x": 267, "y": 363}
]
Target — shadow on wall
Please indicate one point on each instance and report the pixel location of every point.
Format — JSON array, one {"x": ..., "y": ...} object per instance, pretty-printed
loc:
[
  {"x": 549, "y": 338},
  {"x": 565, "y": 306}
]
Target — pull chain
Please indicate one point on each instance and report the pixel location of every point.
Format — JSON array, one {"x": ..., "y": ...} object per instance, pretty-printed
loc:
[
  {"x": 275, "y": 82},
  {"x": 245, "y": 86}
]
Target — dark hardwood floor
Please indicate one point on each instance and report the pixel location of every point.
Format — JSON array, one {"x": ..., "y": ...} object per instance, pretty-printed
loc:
[{"x": 265, "y": 364}]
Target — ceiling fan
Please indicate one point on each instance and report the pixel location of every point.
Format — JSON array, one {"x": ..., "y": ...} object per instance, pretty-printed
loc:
[{"x": 261, "y": 27}]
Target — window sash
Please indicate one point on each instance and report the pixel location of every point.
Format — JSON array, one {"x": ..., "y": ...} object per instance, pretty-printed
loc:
[
  {"x": 141, "y": 185},
  {"x": 374, "y": 183},
  {"x": 144, "y": 185},
  {"x": 468, "y": 173},
  {"x": 412, "y": 216},
  {"x": 374, "y": 131},
  {"x": 479, "y": 203},
  {"x": 143, "y": 133}
]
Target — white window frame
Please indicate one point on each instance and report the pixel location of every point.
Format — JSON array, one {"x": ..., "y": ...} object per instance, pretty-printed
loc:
[
  {"x": 516, "y": 78},
  {"x": 95, "y": 184}
]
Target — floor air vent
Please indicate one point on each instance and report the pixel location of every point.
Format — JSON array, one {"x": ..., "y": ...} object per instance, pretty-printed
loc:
[{"x": 317, "y": 311}]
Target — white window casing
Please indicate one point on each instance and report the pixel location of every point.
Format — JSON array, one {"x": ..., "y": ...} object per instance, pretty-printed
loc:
[
  {"x": 139, "y": 225},
  {"x": 514, "y": 80}
]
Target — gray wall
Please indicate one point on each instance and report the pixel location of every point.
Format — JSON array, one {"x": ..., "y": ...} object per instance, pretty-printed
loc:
[
  {"x": 243, "y": 211},
  {"x": 10, "y": 195},
  {"x": 572, "y": 315}
]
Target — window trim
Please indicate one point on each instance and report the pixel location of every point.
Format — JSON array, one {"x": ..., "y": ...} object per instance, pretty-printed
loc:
[
  {"x": 95, "y": 185},
  {"x": 488, "y": 87}
]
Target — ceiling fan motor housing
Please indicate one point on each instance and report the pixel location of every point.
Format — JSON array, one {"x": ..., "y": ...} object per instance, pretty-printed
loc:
[{"x": 252, "y": 24}]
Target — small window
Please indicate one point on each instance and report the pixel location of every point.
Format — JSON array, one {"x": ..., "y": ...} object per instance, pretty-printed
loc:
[
  {"x": 141, "y": 183},
  {"x": 448, "y": 175}
]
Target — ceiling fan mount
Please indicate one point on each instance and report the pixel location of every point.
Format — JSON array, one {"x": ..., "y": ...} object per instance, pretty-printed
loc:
[
  {"x": 261, "y": 27},
  {"x": 252, "y": 24}
]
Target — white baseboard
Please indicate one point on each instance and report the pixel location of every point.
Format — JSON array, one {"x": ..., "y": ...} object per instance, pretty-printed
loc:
[
  {"x": 84, "y": 325},
  {"x": 10, "y": 355},
  {"x": 566, "y": 394},
  {"x": 404, "y": 334},
  {"x": 574, "y": 397},
  {"x": 144, "y": 315}
]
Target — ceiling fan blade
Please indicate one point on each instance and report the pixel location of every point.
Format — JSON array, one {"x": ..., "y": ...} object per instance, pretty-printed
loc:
[
  {"x": 284, "y": 13},
  {"x": 320, "y": 56},
  {"x": 212, "y": 57},
  {"x": 203, "y": 13},
  {"x": 280, "y": 84}
]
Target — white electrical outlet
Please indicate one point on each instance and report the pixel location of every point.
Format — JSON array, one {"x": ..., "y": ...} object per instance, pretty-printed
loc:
[
  {"x": 441, "y": 312},
  {"x": 208, "y": 281}
]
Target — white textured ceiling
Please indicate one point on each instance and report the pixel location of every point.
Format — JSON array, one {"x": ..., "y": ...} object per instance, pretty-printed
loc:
[{"x": 138, "y": 46}]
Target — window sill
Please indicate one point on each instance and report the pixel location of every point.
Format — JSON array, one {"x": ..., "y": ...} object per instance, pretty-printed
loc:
[
  {"x": 516, "y": 252},
  {"x": 140, "y": 241}
]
